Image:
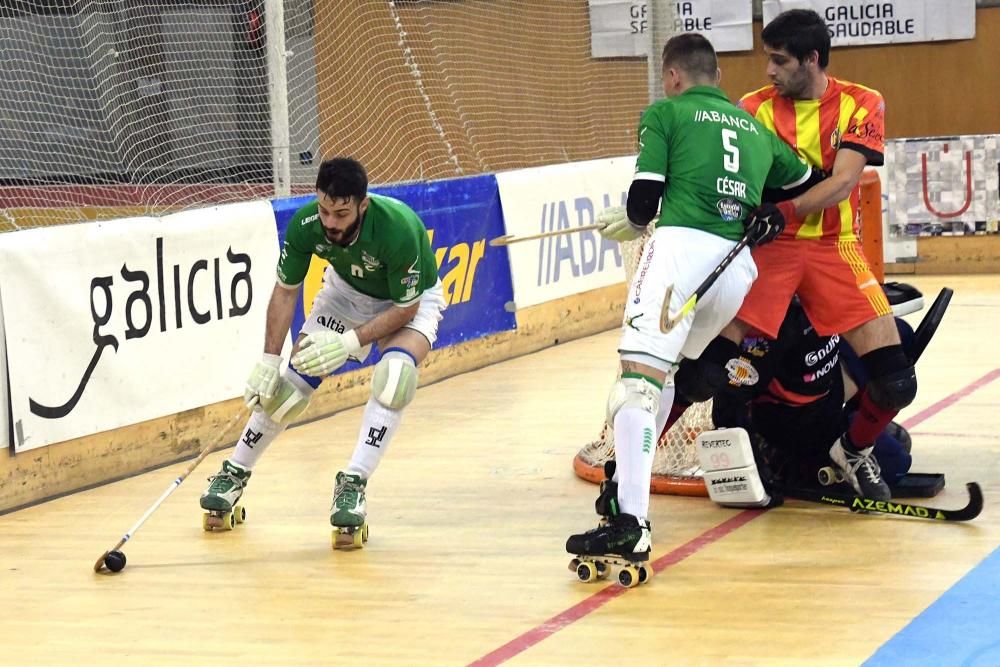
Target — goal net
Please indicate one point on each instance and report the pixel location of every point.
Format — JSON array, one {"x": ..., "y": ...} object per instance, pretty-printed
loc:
[
  {"x": 114, "y": 109},
  {"x": 675, "y": 462}
]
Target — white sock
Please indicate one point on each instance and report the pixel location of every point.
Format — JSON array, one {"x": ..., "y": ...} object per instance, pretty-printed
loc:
[
  {"x": 259, "y": 432},
  {"x": 666, "y": 403},
  {"x": 377, "y": 428},
  {"x": 635, "y": 445}
]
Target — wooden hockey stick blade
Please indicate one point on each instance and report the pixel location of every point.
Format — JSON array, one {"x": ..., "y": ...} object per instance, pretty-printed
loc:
[
  {"x": 99, "y": 565},
  {"x": 511, "y": 238},
  {"x": 668, "y": 321},
  {"x": 857, "y": 504}
]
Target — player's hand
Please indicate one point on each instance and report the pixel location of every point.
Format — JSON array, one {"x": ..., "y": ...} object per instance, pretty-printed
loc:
[
  {"x": 767, "y": 221},
  {"x": 323, "y": 352},
  {"x": 263, "y": 380},
  {"x": 615, "y": 225}
]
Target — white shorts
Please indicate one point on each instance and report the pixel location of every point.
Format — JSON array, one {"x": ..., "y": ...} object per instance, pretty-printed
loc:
[
  {"x": 682, "y": 257},
  {"x": 339, "y": 307}
]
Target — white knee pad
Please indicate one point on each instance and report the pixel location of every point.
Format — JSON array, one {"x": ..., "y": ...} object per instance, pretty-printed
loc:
[
  {"x": 394, "y": 381},
  {"x": 290, "y": 399},
  {"x": 632, "y": 393}
]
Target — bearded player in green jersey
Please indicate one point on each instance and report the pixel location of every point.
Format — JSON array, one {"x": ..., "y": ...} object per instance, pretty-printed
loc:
[
  {"x": 381, "y": 287},
  {"x": 708, "y": 162}
]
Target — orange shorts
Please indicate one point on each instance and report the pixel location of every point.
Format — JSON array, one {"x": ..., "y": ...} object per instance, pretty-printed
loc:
[{"x": 837, "y": 289}]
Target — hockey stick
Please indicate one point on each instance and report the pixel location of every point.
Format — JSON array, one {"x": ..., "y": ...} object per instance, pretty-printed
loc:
[
  {"x": 117, "y": 561},
  {"x": 511, "y": 238},
  {"x": 857, "y": 504},
  {"x": 929, "y": 324},
  {"x": 668, "y": 321}
]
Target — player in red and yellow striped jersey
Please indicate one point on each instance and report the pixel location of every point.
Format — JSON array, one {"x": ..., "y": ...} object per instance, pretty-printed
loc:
[{"x": 837, "y": 126}]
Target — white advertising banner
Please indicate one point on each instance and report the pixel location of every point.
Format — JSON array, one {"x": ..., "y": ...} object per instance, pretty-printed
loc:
[
  {"x": 114, "y": 323},
  {"x": 622, "y": 29},
  {"x": 5, "y": 425},
  {"x": 862, "y": 22},
  {"x": 561, "y": 197}
]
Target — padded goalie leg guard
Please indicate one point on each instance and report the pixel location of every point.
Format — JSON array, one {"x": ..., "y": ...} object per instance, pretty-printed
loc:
[{"x": 731, "y": 473}]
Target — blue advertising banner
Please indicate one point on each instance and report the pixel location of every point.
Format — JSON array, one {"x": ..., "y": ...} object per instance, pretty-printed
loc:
[{"x": 461, "y": 216}]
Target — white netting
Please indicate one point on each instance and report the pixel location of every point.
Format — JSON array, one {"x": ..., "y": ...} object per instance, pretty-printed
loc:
[
  {"x": 121, "y": 108},
  {"x": 675, "y": 463}
]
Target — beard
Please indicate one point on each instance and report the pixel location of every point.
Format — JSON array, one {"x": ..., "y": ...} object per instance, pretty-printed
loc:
[{"x": 344, "y": 238}]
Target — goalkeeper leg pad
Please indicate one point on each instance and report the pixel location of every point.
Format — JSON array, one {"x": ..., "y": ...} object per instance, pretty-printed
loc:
[{"x": 731, "y": 474}]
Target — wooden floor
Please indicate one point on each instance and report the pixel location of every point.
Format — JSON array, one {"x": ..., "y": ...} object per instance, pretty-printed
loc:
[{"x": 469, "y": 514}]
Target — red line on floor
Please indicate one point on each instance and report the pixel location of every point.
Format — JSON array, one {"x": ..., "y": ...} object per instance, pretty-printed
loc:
[
  {"x": 608, "y": 593},
  {"x": 553, "y": 625},
  {"x": 950, "y": 400}
]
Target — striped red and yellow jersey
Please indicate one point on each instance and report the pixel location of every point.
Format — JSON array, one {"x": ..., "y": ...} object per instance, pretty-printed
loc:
[{"x": 848, "y": 115}]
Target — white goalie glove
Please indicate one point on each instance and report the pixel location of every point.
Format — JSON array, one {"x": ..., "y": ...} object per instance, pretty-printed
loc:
[
  {"x": 323, "y": 352},
  {"x": 263, "y": 380},
  {"x": 615, "y": 225}
]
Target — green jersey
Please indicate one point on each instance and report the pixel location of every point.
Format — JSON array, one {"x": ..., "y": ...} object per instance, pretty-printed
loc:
[
  {"x": 391, "y": 259},
  {"x": 714, "y": 158}
]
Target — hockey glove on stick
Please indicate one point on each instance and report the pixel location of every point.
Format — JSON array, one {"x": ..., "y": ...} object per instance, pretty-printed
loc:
[
  {"x": 767, "y": 221},
  {"x": 615, "y": 225},
  {"x": 263, "y": 380}
]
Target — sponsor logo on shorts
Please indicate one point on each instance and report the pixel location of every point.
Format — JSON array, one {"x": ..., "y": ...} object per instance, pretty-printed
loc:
[
  {"x": 641, "y": 277},
  {"x": 730, "y": 209}
]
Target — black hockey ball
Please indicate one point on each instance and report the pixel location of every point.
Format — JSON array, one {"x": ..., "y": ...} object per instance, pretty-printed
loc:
[{"x": 115, "y": 561}]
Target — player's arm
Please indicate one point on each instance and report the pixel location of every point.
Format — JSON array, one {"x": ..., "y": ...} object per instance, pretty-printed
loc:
[
  {"x": 292, "y": 267},
  {"x": 644, "y": 195},
  {"x": 280, "y": 310},
  {"x": 847, "y": 169}
]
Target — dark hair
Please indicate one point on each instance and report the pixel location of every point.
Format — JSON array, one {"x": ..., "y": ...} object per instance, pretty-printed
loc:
[
  {"x": 692, "y": 53},
  {"x": 800, "y": 32},
  {"x": 342, "y": 177}
]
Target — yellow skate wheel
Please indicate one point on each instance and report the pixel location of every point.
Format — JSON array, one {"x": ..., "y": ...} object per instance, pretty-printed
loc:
[
  {"x": 573, "y": 564},
  {"x": 602, "y": 570},
  {"x": 228, "y": 520},
  {"x": 827, "y": 476},
  {"x": 628, "y": 577},
  {"x": 586, "y": 572},
  {"x": 644, "y": 574},
  {"x": 240, "y": 513},
  {"x": 364, "y": 533},
  {"x": 359, "y": 538}
]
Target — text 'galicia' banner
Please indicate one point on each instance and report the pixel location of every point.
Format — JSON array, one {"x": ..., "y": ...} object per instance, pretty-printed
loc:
[
  {"x": 622, "y": 29},
  {"x": 114, "y": 323},
  {"x": 861, "y": 22}
]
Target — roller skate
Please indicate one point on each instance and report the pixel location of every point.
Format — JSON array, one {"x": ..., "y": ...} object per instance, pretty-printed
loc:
[
  {"x": 349, "y": 511},
  {"x": 621, "y": 539},
  {"x": 225, "y": 489},
  {"x": 859, "y": 468}
]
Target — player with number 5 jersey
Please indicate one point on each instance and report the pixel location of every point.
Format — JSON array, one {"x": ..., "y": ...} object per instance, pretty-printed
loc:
[
  {"x": 381, "y": 286},
  {"x": 704, "y": 164}
]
